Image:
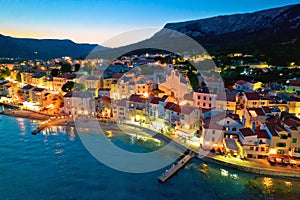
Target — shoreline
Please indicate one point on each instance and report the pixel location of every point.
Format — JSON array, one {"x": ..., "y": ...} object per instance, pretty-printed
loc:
[
  {"x": 25, "y": 114},
  {"x": 276, "y": 171},
  {"x": 260, "y": 169}
]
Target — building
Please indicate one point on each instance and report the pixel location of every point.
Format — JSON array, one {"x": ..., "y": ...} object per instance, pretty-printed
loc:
[
  {"x": 293, "y": 86},
  {"x": 280, "y": 138},
  {"x": 91, "y": 82},
  {"x": 78, "y": 103},
  {"x": 103, "y": 92},
  {"x": 255, "y": 143},
  {"x": 212, "y": 134},
  {"x": 175, "y": 84},
  {"x": 251, "y": 100},
  {"x": 119, "y": 110},
  {"x": 293, "y": 123},
  {"x": 60, "y": 80},
  {"x": 205, "y": 97},
  {"x": 226, "y": 102},
  {"x": 103, "y": 107},
  {"x": 136, "y": 108},
  {"x": 245, "y": 86},
  {"x": 27, "y": 94}
]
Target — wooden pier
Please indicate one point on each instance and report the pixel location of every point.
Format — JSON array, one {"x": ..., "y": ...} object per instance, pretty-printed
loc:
[
  {"x": 39, "y": 129},
  {"x": 53, "y": 122},
  {"x": 176, "y": 166}
]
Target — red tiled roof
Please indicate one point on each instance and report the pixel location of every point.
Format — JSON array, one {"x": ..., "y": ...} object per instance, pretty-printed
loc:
[
  {"x": 173, "y": 107},
  {"x": 187, "y": 109},
  {"x": 258, "y": 111},
  {"x": 252, "y": 95},
  {"x": 68, "y": 94},
  {"x": 106, "y": 99},
  {"x": 117, "y": 75},
  {"x": 136, "y": 98},
  {"x": 295, "y": 97},
  {"x": 273, "y": 119},
  {"x": 247, "y": 132},
  {"x": 204, "y": 110},
  {"x": 155, "y": 100},
  {"x": 295, "y": 83},
  {"x": 266, "y": 109},
  {"x": 274, "y": 128},
  {"x": 188, "y": 97},
  {"x": 262, "y": 134},
  {"x": 241, "y": 82},
  {"x": 292, "y": 121}
]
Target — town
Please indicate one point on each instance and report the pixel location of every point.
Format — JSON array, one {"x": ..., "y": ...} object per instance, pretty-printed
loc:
[{"x": 234, "y": 114}]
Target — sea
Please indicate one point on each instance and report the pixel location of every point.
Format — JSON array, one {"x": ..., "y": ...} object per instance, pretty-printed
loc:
[{"x": 55, "y": 164}]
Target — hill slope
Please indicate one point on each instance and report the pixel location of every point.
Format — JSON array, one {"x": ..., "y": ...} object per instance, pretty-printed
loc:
[
  {"x": 273, "y": 32},
  {"x": 42, "y": 49}
]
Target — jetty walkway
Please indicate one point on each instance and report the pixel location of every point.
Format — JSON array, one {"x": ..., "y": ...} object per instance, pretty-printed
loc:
[{"x": 175, "y": 167}]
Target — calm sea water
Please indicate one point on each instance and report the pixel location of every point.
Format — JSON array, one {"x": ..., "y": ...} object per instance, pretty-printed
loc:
[{"x": 55, "y": 165}]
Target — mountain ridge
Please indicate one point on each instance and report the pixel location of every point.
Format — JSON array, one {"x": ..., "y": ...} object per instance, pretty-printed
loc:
[{"x": 30, "y": 48}]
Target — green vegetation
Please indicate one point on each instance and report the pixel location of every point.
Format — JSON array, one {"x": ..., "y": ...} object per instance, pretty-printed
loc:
[
  {"x": 77, "y": 67},
  {"x": 18, "y": 77},
  {"x": 54, "y": 72},
  {"x": 193, "y": 79},
  {"x": 65, "y": 67},
  {"x": 4, "y": 73},
  {"x": 70, "y": 86}
]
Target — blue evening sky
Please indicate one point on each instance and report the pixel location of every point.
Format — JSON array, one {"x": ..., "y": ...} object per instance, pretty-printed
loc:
[{"x": 95, "y": 21}]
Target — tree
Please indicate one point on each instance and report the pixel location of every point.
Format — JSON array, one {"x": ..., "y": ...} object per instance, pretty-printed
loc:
[
  {"x": 68, "y": 86},
  {"x": 77, "y": 67},
  {"x": 4, "y": 73},
  {"x": 65, "y": 67},
  {"x": 18, "y": 77},
  {"x": 54, "y": 72}
]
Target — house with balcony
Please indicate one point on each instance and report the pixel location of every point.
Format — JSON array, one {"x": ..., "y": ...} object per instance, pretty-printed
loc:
[
  {"x": 254, "y": 117},
  {"x": 172, "y": 114},
  {"x": 119, "y": 110},
  {"x": 136, "y": 108},
  {"x": 280, "y": 138},
  {"x": 255, "y": 143},
  {"x": 293, "y": 123}
]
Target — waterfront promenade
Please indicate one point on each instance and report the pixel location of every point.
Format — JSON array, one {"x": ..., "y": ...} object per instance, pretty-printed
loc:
[{"x": 257, "y": 166}]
